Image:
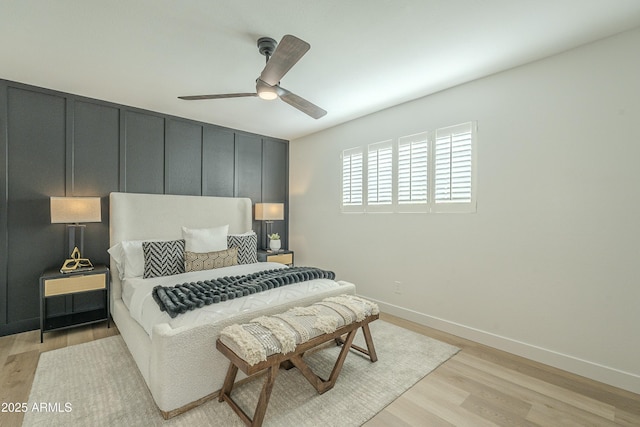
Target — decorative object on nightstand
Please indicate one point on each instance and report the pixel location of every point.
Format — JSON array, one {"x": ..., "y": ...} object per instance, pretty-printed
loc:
[
  {"x": 72, "y": 211},
  {"x": 274, "y": 242},
  {"x": 283, "y": 256},
  {"x": 73, "y": 299},
  {"x": 269, "y": 212}
]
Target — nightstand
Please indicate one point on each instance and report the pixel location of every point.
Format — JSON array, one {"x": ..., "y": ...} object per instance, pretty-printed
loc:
[
  {"x": 282, "y": 256},
  {"x": 73, "y": 299}
]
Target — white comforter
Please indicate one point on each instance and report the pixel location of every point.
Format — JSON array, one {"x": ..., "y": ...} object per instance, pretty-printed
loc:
[{"x": 136, "y": 294}]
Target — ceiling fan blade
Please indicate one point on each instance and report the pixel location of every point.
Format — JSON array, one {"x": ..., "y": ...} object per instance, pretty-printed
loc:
[
  {"x": 300, "y": 103},
  {"x": 220, "y": 96},
  {"x": 287, "y": 53}
]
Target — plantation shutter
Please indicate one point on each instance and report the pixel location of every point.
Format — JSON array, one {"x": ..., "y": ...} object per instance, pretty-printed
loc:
[
  {"x": 453, "y": 159},
  {"x": 352, "y": 177},
  {"x": 380, "y": 173},
  {"x": 413, "y": 156}
]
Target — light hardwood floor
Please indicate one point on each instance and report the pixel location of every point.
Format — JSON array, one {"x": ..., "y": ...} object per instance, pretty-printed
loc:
[{"x": 480, "y": 386}]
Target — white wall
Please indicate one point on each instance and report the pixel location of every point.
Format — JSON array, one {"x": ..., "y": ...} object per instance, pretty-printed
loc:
[{"x": 547, "y": 267}]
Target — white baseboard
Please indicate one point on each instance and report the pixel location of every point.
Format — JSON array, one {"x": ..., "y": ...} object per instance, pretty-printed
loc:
[{"x": 605, "y": 374}]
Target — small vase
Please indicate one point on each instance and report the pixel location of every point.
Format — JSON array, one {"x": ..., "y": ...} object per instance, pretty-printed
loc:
[{"x": 274, "y": 245}]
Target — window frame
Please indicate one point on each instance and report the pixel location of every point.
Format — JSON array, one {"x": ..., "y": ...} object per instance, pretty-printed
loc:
[
  {"x": 353, "y": 207},
  {"x": 432, "y": 205},
  {"x": 378, "y": 206},
  {"x": 413, "y": 206},
  {"x": 457, "y": 206}
]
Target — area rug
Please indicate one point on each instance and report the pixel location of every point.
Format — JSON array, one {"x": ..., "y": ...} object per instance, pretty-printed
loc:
[{"x": 98, "y": 384}]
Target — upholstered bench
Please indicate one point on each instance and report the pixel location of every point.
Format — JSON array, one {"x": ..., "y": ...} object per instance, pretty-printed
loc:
[{"x": 268, "y": 342}]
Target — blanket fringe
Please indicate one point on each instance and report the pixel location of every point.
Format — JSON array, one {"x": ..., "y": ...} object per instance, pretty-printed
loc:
[{"x": 252, "y": 350}]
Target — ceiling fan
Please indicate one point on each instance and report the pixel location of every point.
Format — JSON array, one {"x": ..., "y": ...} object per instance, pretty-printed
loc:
[{"x": 280, "y": 58}]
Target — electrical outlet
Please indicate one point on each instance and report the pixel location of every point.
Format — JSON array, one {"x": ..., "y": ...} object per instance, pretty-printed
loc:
[{"x": 397, "y": 287}]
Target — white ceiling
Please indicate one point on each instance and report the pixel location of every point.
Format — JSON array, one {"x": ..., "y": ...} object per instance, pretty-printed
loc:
[{"x": 366, "y": 55}]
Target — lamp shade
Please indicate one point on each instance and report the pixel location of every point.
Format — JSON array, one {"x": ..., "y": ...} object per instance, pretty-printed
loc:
[
  {"x": 73, "y": 210},
  {"x": 269, "y": 211}
]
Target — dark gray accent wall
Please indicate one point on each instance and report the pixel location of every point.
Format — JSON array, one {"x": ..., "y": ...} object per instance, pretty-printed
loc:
[
  {"x": 95, "y": 150},
  {"x": 275, "y": 180},
  {"x": 183, "y": 158},
  {"x": 4, "y": 167},
  {"x": 144, "y": 153},
  {"x": 59, "y": 144},
  {"x": 218, "y": 162},
  {"x": 36, "y": 167}
]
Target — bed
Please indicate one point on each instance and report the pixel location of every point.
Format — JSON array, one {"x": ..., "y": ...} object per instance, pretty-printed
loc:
[{"x": 177, "y": 356}]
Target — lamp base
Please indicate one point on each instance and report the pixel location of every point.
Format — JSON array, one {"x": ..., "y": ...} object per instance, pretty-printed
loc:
[
  {"x": 267, "y": 240},
  {"x": 76, "y": 263},
  {"x": 75, "y": 237}
]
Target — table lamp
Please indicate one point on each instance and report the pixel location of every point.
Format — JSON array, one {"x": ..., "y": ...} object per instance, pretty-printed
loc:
[
  {"x": 269, "y": 212},
  {"x": 73, "y": 211}
]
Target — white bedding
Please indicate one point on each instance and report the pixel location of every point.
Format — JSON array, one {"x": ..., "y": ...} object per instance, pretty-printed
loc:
[
  {"x": 179, "y": 363},
  {"x": 136, "y": 295}
]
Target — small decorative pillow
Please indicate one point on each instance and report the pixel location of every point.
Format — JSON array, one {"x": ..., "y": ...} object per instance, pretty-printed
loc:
[
  {"x": 205, "y": 239},
  {"x": 194, "y": 261},
  {"x": 164, "y": 258},
  {"x": 247, "y": 245}
]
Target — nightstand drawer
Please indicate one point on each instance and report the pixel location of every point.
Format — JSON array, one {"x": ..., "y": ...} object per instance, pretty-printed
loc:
[
  {"x": 67, "y": 285},
  {"x": 282, "y": 258}
]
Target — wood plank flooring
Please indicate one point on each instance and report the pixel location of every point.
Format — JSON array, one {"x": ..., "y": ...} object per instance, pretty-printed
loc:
[{"x": 480, "y": 386}]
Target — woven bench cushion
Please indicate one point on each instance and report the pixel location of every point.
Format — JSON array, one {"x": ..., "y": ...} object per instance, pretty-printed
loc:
[{"x": 282, "y": 333}]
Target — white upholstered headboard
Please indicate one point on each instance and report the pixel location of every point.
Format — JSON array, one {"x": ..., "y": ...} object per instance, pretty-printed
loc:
[{"x": 134, "y": 216}]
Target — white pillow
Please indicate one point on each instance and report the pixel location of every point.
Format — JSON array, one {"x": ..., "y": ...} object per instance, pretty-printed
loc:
[
  {"x": 117, "y": 253},
  {"x": 133, "y": 258},
  {"x": 129, "y": 257},
  {"x": 204, "y": 240}
]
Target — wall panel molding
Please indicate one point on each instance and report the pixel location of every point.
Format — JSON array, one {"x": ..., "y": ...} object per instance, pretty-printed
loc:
[
  {"x": 36, "y": 170},
  {"x": 183, "y": 146},
  {"x": 275, "y": 181},
  {"x": 4, "y": 179},
  {"x": 62, "y": 144},
  {"x": 218, "y": 162},
  {"x": 69, "y": 134}
]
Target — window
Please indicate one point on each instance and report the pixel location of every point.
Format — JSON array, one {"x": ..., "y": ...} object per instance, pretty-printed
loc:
[
  {"x": 426, "y": 172},
  {"x": 453, "y": 177},
  {"x": 352, "y": 191},
  {"x": 413, "y": 156},
  {"x": 380, "y": 173}
]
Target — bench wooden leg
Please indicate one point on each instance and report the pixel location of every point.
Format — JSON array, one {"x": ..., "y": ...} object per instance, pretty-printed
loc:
[
  {"x": 370, "y": 351},
  {"x": 228, "y": 381},
  {"x": 318, "y": 383},
  {"x": 263, "y": 400},
  {"x": 343, "y": 355},
  {"x": 369, "y": 340}
]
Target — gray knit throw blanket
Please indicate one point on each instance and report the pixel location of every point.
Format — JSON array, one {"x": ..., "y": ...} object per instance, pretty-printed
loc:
[{"x": 188, "y": 296}]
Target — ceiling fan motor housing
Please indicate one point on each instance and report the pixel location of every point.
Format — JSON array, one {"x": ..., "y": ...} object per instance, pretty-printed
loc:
[{"x": 266, "y": 46}]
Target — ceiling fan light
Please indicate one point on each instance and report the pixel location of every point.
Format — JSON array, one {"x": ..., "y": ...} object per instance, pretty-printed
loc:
[{"x": 268, "y": 93}]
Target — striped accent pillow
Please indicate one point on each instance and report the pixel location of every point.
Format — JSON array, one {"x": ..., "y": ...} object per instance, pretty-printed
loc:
[
  {"x": 164, "y": 258},
  {"x": 247, "y": 245}
]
